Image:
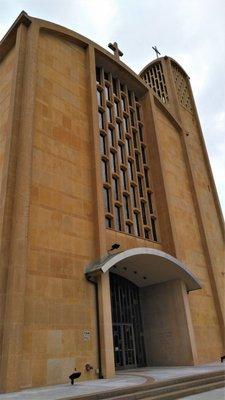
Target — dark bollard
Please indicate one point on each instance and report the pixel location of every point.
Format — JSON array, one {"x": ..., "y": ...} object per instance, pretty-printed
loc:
[{"x": 74, "y": 376}]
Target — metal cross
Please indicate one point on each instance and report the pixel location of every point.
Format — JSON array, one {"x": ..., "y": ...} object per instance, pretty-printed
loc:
[
  {"x": 157, "y": 51},
  {"x": 117, "y": 52}
]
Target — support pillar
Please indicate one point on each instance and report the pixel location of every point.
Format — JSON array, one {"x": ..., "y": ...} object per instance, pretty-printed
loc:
[{"x": 105, "y": 326}]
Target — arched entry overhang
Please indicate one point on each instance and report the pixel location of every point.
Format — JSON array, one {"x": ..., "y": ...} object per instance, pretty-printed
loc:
[
  {"x": 144, "y": 267},
  {"x": 163, "y": 283}
]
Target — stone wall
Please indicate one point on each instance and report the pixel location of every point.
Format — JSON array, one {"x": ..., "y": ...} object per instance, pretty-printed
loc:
[{"x": 60, "y": 303}]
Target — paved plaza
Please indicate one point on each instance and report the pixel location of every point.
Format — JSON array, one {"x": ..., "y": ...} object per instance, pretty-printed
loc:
[{"x": 121, "y": 380}]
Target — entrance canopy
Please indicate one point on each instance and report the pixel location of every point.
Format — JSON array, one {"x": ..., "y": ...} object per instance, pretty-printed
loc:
[{"x": 144, "y": 267}]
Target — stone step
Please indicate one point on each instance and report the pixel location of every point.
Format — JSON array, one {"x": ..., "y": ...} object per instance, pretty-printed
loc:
[
  {"x": 174, "y": 391},
  {"x": 187, "y": 385},
  {"x": 179, "y": 394},
  {"x": 167, "y": 388}
]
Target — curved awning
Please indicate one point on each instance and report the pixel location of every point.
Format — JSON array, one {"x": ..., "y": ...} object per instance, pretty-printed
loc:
[{"x": 144, "y": 266}]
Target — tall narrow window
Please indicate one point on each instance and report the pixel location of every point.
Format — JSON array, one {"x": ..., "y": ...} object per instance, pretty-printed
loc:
[
  {"x": 109, "y": 114},
  {"x": 114, "y": 86},
  {"x": 99, "y": 97},
  {"x": 98, "y": 75},
  {"x": 136, "y": 225},
  {"x": 119, "y": 130},
  {"x": 132, "y": 117},
  {"x": 116, "y": 109},
  {"x": 141, "y": 133},
  {"x": 104, "y": 171},
  {"x": 137, "y": 161},
  {"x": 125, "y": 124},
  {"x": 101, "y": 120},
  {"x": 146, "y": 177},
  {"x": 113, "y": 161},
  {"x": 150, "y": 203},
  {"x": 128, "y": 146},
  {"x": 130, "y": 170},
  {"x": 107, "y": 93},
  {"x": 106, "y": 199},
  {"x": 123, "y": 179},
  {"x": 143, "y": 213},
  {"x": 121, "y": 153},
  {"x": 126, "y": 206},
  {"x": 135, "y": 139},
  {"x": 140, "y": 186},
  {"x": 117, "y": 218},
  {"x": 133, "y": 196},
  {"x": 111, "y": 137},
  {"x": 153, "y": 228},
  {"x": 102, "y": 144},
  {"x": 143, "y": 154},
  {"x": 123, "y": 103},
  {"x": 130, "y": 98},
  {"x": 138, "y": 113},
  {"x": 115, "y": 188}
]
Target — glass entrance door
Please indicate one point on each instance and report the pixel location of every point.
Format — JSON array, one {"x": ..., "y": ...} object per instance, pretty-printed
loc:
[
  {"x": 127, "y": 325},
  {"x": 124, "y": 346}
]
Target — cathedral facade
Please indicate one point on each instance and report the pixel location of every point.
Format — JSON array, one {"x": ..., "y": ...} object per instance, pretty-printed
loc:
[{"x": 112, "y": 241}]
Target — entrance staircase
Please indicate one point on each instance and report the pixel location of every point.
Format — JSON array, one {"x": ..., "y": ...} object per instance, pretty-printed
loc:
[{"x": 175, "y": 388}]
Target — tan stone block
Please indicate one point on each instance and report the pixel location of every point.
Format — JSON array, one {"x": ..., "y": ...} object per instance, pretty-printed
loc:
[
  {"x": 39, "y": 372},
  {"x": 54, "y": 371},
  {"x": 25, "y": 373},
  {"x": 39, "y": 343},
  {"x": 54, "y": 343}
]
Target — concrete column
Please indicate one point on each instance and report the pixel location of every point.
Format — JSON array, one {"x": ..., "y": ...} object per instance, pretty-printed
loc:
[{"x": 105, "y": 322}]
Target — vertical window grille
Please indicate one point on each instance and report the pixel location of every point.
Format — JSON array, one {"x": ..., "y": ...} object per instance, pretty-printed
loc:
[
  {"x": 182, "y": 87},
  {"x": 127, "y": 193},
  {"x": 154, "y": 77}
]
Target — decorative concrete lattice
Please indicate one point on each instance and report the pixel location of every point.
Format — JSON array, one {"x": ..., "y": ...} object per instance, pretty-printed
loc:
[
  {"x": 183, "y": 91},
  {"x": 154, "y": 77},
  {"x": 125, "y": 171}
]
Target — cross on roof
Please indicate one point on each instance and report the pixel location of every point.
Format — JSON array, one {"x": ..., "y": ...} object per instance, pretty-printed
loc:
[
  {"x": 157, "y": 51},
  {"x": 117, "y": 52}
]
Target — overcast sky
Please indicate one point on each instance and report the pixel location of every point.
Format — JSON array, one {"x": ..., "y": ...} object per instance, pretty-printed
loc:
[{"x": 191, "y": 31}]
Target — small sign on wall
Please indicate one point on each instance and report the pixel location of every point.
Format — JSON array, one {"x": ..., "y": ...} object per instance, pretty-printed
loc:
[{"x": 86, "y": 335}]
